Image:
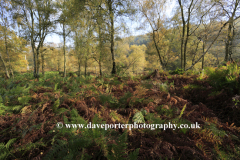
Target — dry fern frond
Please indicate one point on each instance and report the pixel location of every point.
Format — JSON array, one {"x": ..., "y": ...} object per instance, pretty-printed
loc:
[
  {"x": 26, "y": 109},
  {"x": 139, "y": 92}
]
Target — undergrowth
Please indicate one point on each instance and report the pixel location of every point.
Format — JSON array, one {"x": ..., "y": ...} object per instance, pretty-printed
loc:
[
  {"x": 224, "y": 77},
  {"x": 30, "y": 109}
]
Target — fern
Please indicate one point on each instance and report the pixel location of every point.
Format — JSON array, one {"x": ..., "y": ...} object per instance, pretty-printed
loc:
[
  {"x": 147, "y": 84},
  {"x": 9, "y": 109},
  {"x": 76, "y": 118},
  {"x": 215, "y": 130},
  {"x": 98, "y": 132},
  {"x": 117, "y": 152},
  {"x": 62, "y": 110},
  {"x": 114, "y": 116},
  {"x": 10, "y": 142},
  {"x": 138, "y": 117},
  {"x": 1, "y": 100},
  {"x": 105, "y": 98},
  {"x": 134, "y": 155},
  {"x": 177, "y": 71},
  {"x": 70, "y": 150},
  {"x": 56, "y": 105},
  {"x": 29, "y": 146},
  {"x": 4, "y": 149},
  {"x": 184, "y": 121},
  {"x": 154, "y": 119},
  {"x": 59, "y": 148},
  {"x": 164, "y": 87},
  {"x": 182, "y": 111},
  {"x": 224, "y": 77},
  {"x": 24, "y": 100}
]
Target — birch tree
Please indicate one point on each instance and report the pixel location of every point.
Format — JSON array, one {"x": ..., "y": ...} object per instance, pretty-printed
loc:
[
  {"x": 5, "y": 17},
  {"x": 35, "y": 19},
  {"x": 154, "y": 14},
  {"x": 230, "y": 10}
]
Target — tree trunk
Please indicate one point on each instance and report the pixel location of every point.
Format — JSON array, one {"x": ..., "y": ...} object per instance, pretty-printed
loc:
[
  {"x": 228, "y": 41},
  {"x": 226, "y": 51},
  {"x": 230, "y": 34},
  {"x": 42, "y": 64},
  {"x": 112, "y": 35},
  {"x": 38, "y": 63},
  {"x": 158, "y": 52},
  {"x": 208, "y": 47},
  {"x": 187, "y": 36},
  {"x": 12, "y": 72},
  {"x": 33, "y": 47},
  {"x": 86, "y": 58},
  {"x": 100, "y": 50},
  {"x": 203, "y": 55},
  {"x": 64, "y": 53},
  {"x": 58, "y": 65},
  {"x": 34, "y": 63},
  {"x": 183, "y": 32},
  {"x": 100, "y": 68},
  {"x": 85, "y": 73},
  {"x": 154, "y": 75},
  {"x": 79, "y": 67},
  {"x": 6, "y": 46},
  {"x": 5, "y": 67}
]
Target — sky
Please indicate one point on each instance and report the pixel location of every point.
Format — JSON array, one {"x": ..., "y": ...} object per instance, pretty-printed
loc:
[{"x": 132, "y": 25}]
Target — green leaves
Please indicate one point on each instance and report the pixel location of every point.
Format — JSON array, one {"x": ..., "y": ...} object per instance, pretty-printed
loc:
[
  {"x": 105, "y": 98},
  {"x": 118, "y": 151},
  {"x": 124, "y": 98},
  {"x": 55, "y": 86},
  {"x": 134, "y": 154},
  {"x": 56, "y": 105},
  {"x": 225, "y": 76},
  {"x": 139, "y": 116},
  {"x": 177, "y": 71},
  {"x": 164, "y": 87},
  {"x": 24, "y": 100},
  {"x": 4, "y": 149},
  {"x": 215, "y": 130}
]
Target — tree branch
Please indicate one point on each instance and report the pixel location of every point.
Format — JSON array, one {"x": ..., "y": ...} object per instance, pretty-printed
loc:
[{"x": 208, "y": 47}]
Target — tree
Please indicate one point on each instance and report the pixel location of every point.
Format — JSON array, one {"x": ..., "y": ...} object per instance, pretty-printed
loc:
[
  {"x": 83, "y": 38},
  {"x": 116, "y": 8},
  {"x": 5, "y": 17},
  {"x": 34, "y": 17},
  {"x": 154, "y": 14},
  {"x": 16, "y": 50},
  {"x": 137, "y": 59},
  {"x": 64, "y": 21},
  {"x": 102, "y": 36},
  {"x": 230, "y": 9},
  {"x": 196, "y": 12},
  {"x": 43, "y": 51},
  {"x": 52, "y": 57},
  {"x": 70, "y": 10}
]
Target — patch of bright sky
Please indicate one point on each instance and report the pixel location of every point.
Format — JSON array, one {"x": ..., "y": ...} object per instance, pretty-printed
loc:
[{"x": 132, "y": 25}]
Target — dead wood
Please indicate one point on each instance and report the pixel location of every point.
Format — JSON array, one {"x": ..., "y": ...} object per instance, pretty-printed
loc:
[{"x": 153, "y": 75}]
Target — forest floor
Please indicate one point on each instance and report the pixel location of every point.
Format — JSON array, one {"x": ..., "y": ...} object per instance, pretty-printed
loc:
[{"x": 30, "y": 109}]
